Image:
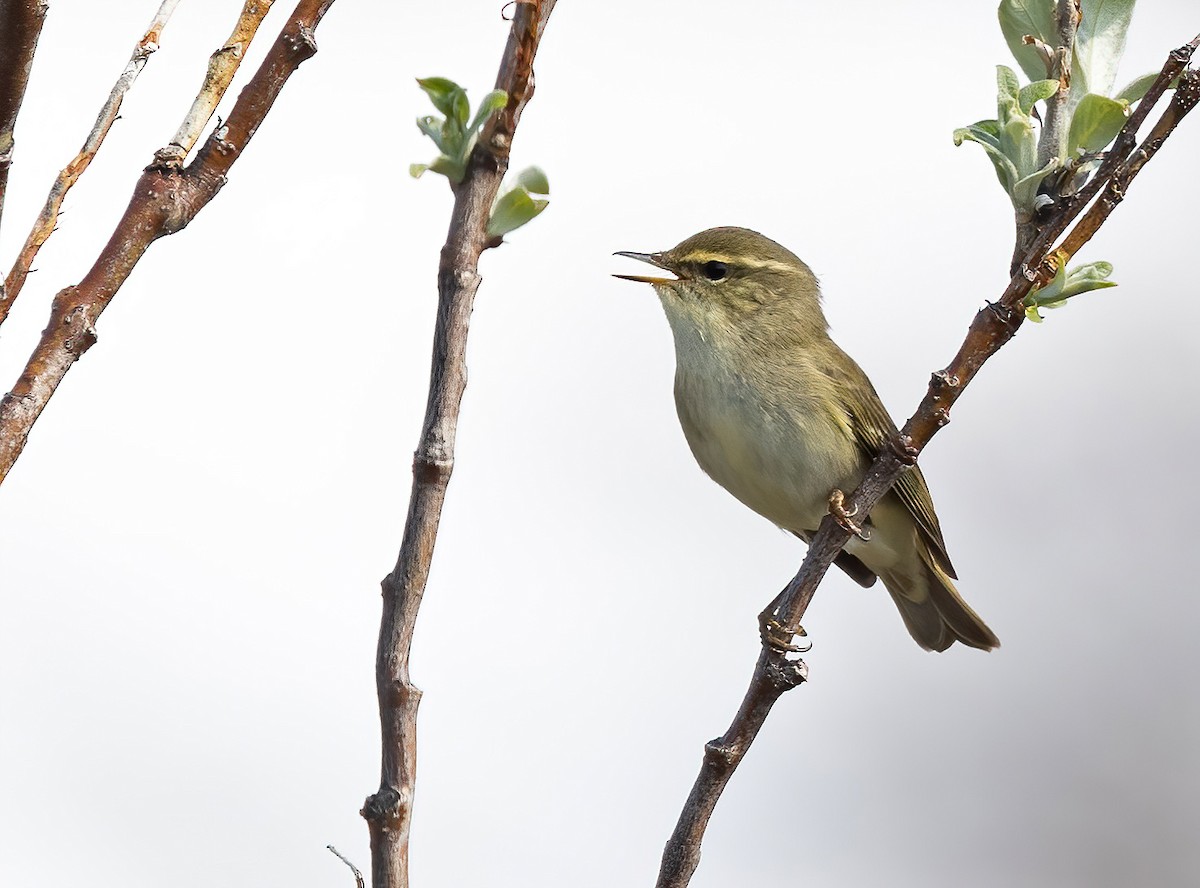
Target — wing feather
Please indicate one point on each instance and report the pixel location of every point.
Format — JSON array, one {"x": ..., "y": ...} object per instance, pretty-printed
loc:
[{"x": 873, "y": 427}]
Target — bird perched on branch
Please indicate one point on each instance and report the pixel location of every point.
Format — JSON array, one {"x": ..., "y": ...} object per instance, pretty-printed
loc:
[{"x": 777, "y": 414}]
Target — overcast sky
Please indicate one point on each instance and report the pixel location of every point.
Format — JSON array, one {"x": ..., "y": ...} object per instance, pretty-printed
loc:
[{"x": 191, "y": 545}]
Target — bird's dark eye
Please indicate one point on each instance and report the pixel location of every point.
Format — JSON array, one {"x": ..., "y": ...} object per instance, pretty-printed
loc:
[{"x": 714, "y": 270}]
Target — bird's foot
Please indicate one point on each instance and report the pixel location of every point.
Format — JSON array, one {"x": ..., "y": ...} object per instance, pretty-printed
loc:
[
  {"x": 776, "y": 636},
  {"x": 837, "y": 508}
]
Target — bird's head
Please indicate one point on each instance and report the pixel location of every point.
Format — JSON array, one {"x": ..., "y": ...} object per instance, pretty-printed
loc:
[{"x": 734, "y": 276}]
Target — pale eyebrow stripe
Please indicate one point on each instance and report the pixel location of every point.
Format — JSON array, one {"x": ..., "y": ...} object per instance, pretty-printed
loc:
[{"x": 701, "y": 257}]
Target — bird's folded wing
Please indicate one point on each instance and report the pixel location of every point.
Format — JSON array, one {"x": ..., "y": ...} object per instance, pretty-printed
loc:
[{"x": 872, "y": 427}]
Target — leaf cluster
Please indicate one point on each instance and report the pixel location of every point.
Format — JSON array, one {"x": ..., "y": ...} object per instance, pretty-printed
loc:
[
  {"x": 455, "y": 138},
  {"x": 1033, "y": 173},
  {"x": 452, "y": 135}
]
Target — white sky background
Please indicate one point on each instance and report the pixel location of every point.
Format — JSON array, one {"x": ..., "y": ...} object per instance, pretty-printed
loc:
[{"x": 191, "y": 546}]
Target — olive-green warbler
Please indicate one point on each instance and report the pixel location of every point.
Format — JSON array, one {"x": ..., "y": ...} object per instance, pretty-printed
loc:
[{"x": 780, "y": 417}]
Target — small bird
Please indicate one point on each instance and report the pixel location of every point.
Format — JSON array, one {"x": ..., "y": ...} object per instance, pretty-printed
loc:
[{"x": 777, "y": 414}]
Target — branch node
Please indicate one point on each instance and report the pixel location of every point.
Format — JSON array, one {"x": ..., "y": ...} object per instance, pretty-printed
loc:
[
  {"x": 221, "y": 143},
  {"x": 785, "y": 674},
  {"x": 168, "y": 159},
  {"x": 943, "y": 379},
  {"x": 83, "y": 336},
  {"x": 715, "y": 750},
  {"x": 1009, "y": 318},
  {"x": 903, "y": 449},
  {"x": 304, "y": 41},
  {"x": 385, "y": 807}
]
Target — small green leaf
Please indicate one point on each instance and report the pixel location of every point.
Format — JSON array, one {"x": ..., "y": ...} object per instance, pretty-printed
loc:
[
  {"x": 460, "y": 109},
  {"x": 1005, "y": 171},
  {"x": 1035, "y": 18},
  {"x": 1019, "y": 144},
  {"x": 432, "y": 127},
  {"x": 1134, "y": 91},
  {"x": 1007, "y": 86},
  {"x": 442, "y": 92},
  {"x": 1024, "y": 193},
  {"x": 1068, "y": 283},
  {"x": 1095, "y": 123},
  {"x": 453, "y": 168},
  {"x": 492, "y": 102},
  {"x": 512, "y": 210},
  {"x": 1086, "y": 277},
  {"x": 417, "y": 169},
  {"x": 534, "y": 180},
  {"x": 1035, "y": 92}
]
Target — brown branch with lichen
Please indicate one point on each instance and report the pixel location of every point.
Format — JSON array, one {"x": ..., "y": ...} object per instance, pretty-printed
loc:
[
  {"x": 222, "y": 65},
  {"x": 388, "y": 811},
  {"x": 47, "y": 219},
  {"x": 993, "y": 326},
  {"x": 20, "y": 26},
  {"x": 165, "y": 199}
]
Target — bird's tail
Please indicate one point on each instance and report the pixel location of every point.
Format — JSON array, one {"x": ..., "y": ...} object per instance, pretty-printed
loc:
[{"x": 934, "y": 612}]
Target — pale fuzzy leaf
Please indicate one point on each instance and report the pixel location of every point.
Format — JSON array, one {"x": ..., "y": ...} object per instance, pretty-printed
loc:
[
  {"x": 1134, "y": 91},
  {"x": 1095, "y": 123},
  {"x": 1024, "y": 193},
  {"x": 1019, "y": 144},
  {"x": 1035, "y": 92},
  {"x": 1035, "y": 18},
  {"x": 1005, "y": 171},
  {"x": 1066, "y": 284},
  {"x": 1099, "y": 45},
  {"x": 1007, "y": 86}
]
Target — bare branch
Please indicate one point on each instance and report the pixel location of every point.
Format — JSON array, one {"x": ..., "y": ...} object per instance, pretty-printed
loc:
[
  {"x": 358, "y": 876},
  {"x": 43, "y": 227},
  {"x": 992, "y": 327},
  {"x": 165, "y": 199},
  {"x": 222, "y": 65},
  {"x": 20, "y": 26},
  {"x": 388, "y": 811}
]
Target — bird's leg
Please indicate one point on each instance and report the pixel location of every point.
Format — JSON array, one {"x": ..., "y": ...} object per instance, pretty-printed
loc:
[
  {"x": 773, "y": 633},
  {"x": 837, "y": 508}
]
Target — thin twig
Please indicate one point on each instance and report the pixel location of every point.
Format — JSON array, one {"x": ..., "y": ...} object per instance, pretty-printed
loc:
[
  {"x": 358, "y": 876},
  {"x": 165, "y": 199},
  {"x": 388, "y": 811},
  {"x": 43, "y": 227},
  {"x": 20, "y": 26},
  {"x": 222, "y": 65},
  {"x": 992, "y": 327},
  {"x": 1052, "y": 142},
  {"x": 1187, "y": 94}
]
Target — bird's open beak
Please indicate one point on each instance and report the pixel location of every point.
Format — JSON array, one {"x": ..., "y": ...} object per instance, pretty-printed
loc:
[{"x": 653, "y": 259}]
